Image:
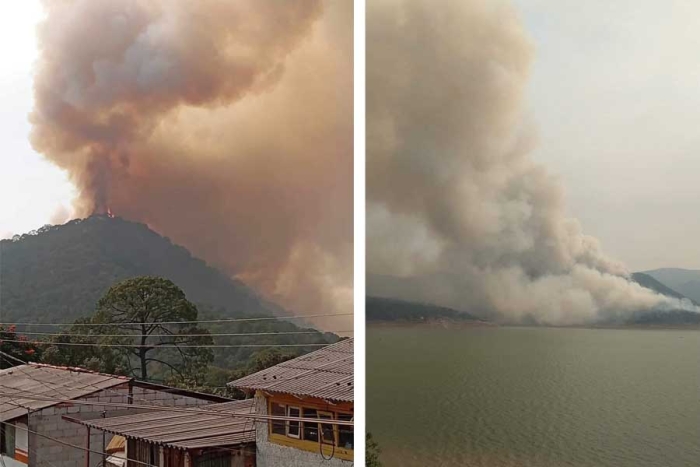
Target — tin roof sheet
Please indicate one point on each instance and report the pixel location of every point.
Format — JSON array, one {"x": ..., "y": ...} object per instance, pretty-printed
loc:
[
  {"x": 186, "y": 430},
  {"x": 326, "y": 374},
  {"x": 46, "y": 381}
]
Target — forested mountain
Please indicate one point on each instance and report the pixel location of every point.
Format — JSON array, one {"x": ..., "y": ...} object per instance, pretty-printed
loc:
[
  {"x": 648, "y": 281},
  {"x": 59, "y": 272},
  {"x": 389, "y": 309},
  {"x": 661, "y": 318},
  {"x": 685, "y": 281}
]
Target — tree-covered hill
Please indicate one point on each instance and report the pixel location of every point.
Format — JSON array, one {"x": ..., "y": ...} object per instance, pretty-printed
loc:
[
  {"x": 59, "y": 272},
  {"x": 645, "y": 280},
  {"x": 389, "y": 309},
  {"x": 665, "y": 317},
  {"x": 685, "y": 281}
]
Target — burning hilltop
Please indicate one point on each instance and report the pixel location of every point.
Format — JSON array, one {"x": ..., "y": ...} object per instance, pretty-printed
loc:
[{"x": 226, "y": 126}]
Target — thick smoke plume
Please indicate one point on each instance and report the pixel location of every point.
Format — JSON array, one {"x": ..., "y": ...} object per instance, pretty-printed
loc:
[
  {"x": 455, "y": 202},
  {"x": 226, "y": 126}
]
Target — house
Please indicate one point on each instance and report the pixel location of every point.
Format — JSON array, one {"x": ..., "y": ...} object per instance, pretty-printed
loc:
[
  {"x": 318, "y": 386},
  {"x": 37, "y": 403},
  {"x": 212, "y": 436}
]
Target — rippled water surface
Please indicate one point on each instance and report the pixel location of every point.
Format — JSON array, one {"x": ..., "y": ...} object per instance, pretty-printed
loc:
[{"x": 534, "y": 397}]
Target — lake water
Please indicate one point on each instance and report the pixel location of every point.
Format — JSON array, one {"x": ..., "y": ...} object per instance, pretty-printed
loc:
[{"x": 534, "y": 397}]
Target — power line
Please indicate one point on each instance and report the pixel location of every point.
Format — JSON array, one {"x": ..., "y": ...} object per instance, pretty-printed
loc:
[
  {"x": 222, "y": 320},
  {"x": 29, "y": 450},
  {"x": 240, "y": 334},
  {"x": 8, "y": 358},
  {"x": 38, "y": 397},
  {"x": 250, "y": 419},
  {"x": 101, "y": 453},
  {"x": 262, "y": 418},
  {"x": 166, "y": 346},
  {"x": 4, "y": 356}
]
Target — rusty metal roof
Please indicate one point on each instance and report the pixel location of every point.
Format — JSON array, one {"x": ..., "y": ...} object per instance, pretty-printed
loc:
[
  {"x": 185, "y": 430},
  {"x": 47, "y": 381},
  {"x": 326, "y": 374}
]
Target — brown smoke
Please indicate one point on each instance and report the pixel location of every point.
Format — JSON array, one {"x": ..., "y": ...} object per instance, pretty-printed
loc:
[
  {"x": 226, "y": 126},
  {"x": 456, "y": 205}
]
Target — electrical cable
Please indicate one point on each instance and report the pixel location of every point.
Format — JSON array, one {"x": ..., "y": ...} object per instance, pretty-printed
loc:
[{"x": 201, "y": 321}]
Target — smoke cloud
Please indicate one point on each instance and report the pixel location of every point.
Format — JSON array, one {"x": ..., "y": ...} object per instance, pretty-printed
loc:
[
  {"x": 226, "y": 126},
  {"x": 456, "y": 205}
]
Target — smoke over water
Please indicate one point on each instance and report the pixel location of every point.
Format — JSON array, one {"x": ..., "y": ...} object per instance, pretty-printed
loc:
[
  {"x": 226, "y": 126},
  {"x": 456, "y": 204}
]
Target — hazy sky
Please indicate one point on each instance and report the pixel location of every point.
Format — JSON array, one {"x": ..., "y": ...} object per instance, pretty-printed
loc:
[
  {"x": 32, "y": 191},
  {"x": 615, "y": 95}
]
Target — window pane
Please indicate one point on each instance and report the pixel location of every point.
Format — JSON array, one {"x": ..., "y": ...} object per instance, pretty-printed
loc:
[
  {"x": 310, "y": 429},
  {"x": 278, "y": 426},
  {"x": 293, "y": 427},
  {"x": 345, "y": 433}
]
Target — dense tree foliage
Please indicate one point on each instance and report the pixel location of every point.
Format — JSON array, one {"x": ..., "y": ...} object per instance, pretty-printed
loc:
[
  {"x": 16, "y": 347},
  {"x": 60, "y": 272},
  {"x": 389, "y": 309},
  {"x": 144, "y": 310},
  {"x": 102, "y": 359},
  {"x": 372, "y": 452},
  {"x": 217, "y": 378}
]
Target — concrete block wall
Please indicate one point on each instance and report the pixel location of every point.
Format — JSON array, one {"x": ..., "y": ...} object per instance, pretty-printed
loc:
[
  {"x": 50, "y": 422},
  {"x": 273, "y": 455},
  {"x": 149, "y": 396}
]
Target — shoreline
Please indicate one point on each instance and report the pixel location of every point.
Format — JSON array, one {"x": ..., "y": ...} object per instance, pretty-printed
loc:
[
  {"x": 432, "y": 323},
  {"x": 451, "y": 324}
]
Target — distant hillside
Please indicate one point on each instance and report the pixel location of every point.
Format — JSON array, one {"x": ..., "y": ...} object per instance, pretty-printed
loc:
[
  {"x": 388, "y": 309},
  {"x": 685, "y": 281},
  {"x": 666, "y": 318},
  {"x": 59, "y": 272},
  {"x": 645, "y": 280}
]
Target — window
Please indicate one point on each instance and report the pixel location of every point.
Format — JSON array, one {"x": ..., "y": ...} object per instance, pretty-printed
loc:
[
  {"x": 293, "y": 426},
  {"x": 278, "y": 426},
  {"x": 346, "y": 437},
  {"x": 327, "y": 429},
  {"x": 317, "y": 429},
  {"x": 8, "y": 440},
  {"x": 310, "y": 429}
]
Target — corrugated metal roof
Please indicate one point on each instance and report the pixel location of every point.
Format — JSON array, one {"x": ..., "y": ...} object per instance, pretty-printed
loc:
[
  {"x": 185, "y": 430},
  {"x": 326, "y": 373},
  {"x": 48, "y": 381}
]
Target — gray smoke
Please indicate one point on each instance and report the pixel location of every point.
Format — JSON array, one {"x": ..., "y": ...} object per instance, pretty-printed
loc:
[
  {"x": 224, "y": 125},
  {"x": 455, "y": 202}
]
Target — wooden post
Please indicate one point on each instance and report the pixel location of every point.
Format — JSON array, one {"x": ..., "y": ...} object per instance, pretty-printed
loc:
[
  {"x": 104, "y": 442},
  {"x": 87, "y": 452}
]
